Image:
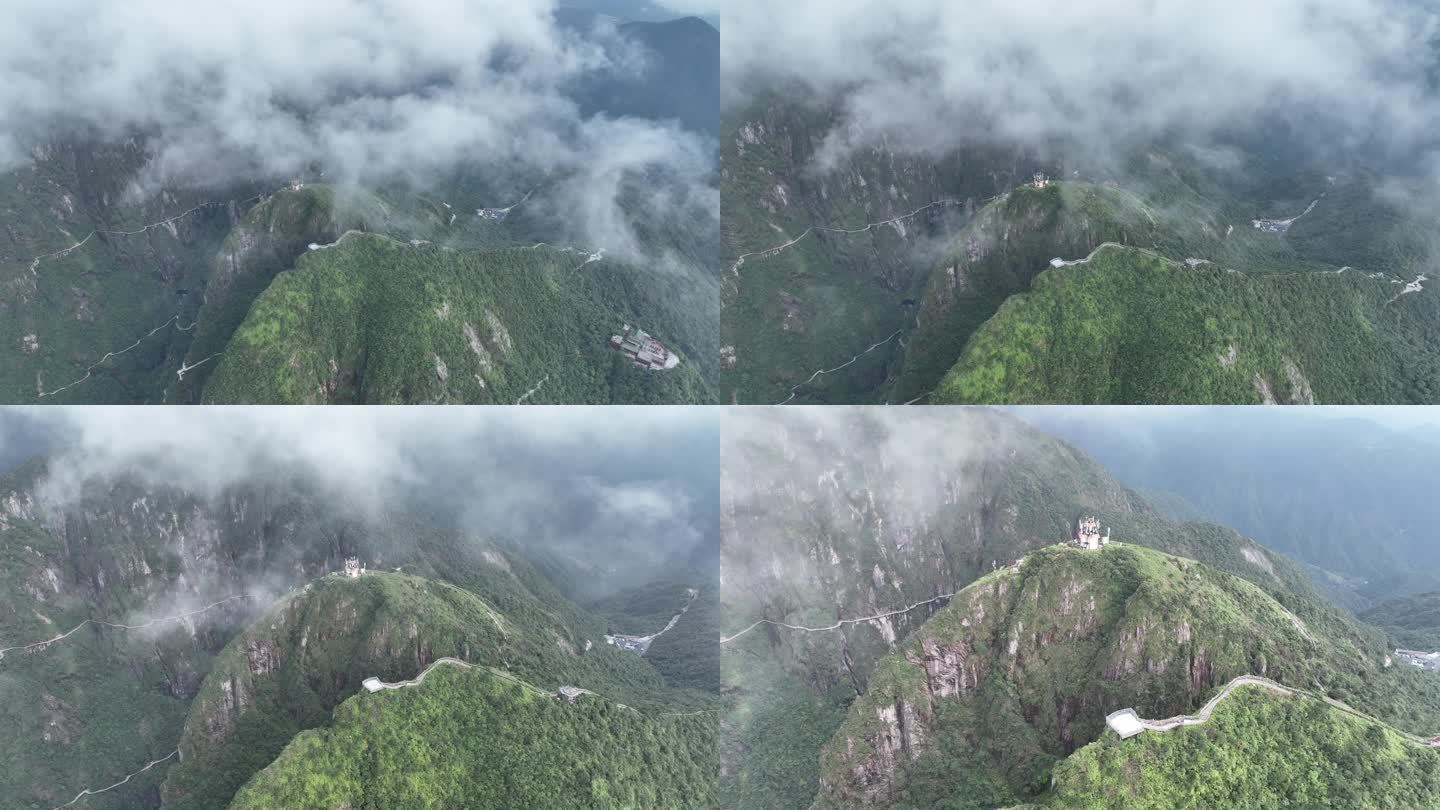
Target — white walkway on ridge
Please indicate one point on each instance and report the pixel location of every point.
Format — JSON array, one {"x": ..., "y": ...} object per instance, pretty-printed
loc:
[
  {"x": 837, "y": 625},
  {"x": 42, "y": 645},
  {"x": 88, "y": 792}
]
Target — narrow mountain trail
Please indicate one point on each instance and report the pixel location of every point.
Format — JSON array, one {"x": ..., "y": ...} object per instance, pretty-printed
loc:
[
  {"x": 35, "y": 262},
  {"x": 1203, "y": 716},
  {"x": 532, "y": 391},
  {"x": 837, "y": 625},
  {"x": 88, "y": 792},
  {"x": 1208, "y": 709},
  {"x": 377, "y": 685},
  {"x": 40, "y": 646},
  {"x": 795, "y": 389},
  {"x": 768, "y": 252},
  {"x": 1057, "y": 262},
  {"x": 90, "y": 371}
]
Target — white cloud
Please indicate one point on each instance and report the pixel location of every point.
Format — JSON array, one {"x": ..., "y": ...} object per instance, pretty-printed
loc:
[
  {"x": 366, "y": 88},
  {"x": 929, "y": 74}
]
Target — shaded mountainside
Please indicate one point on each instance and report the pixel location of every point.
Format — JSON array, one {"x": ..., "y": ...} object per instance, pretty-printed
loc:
[
  {"x": 470, "y": 738},
  {"x": 1258, "y": 749},
  {"x": 312, "y": 650},
  {"x": 560, "y": 306},
  {"x": 841, "y": 519},
  {"x": 85, "y": 270},
  {"x": 87, "y": 710},
  {"x": 1020, "y": 669}
]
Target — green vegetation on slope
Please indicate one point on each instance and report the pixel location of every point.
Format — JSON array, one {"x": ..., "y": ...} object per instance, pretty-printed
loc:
[
  {"x": 1259, "y": 749},
  {"x": 287, "y": 672},
  {"x": 1132, "y": 327},
  {"x": 1022, "y": 666},
  {"x": 371, "y": 320},
  {"x": 467, "y": 738}
]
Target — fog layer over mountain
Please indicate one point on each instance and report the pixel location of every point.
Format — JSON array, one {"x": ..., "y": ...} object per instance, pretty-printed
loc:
[
  {"x": 567, "y": 477},
  {"x": 923, "y": 75},
  {"x": 363, "y": 89}
]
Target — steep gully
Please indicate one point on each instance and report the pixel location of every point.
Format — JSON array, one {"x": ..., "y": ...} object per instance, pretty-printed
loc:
[{"x": 767, "y": 253}]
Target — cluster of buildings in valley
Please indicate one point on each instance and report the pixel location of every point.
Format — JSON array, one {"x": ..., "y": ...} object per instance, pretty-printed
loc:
[
  {"x": 644, "y": 350},
  {"x": 493, "y": 214},
  {"x": 1424, "y": 660},
  {"x": 1272, "y": 225},
  {"x": 1087, "y": 534},
  {"x": 635, "y": 644}
]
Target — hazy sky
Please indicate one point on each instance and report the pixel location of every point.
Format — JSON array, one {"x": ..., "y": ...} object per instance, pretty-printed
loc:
[
  {"x": 926, "y": 73},
  {"x": 1403, "y": 418}
]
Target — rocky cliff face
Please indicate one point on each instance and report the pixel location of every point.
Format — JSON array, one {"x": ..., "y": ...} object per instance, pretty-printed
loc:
[
  {"x": 266, "y": 241},
  {"x": 841, "y": 520},
  {"x": 1022, "y": 667},
  {"x": 289, "y": 669},
  {"x": 162, "y": 561}
]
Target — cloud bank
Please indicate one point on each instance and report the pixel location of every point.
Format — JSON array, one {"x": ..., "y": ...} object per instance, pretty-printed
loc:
[
  {"x": 366, "y": 89},
  {"x": 928, "y": 74},
  {"x": 563, "y": 476}
]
